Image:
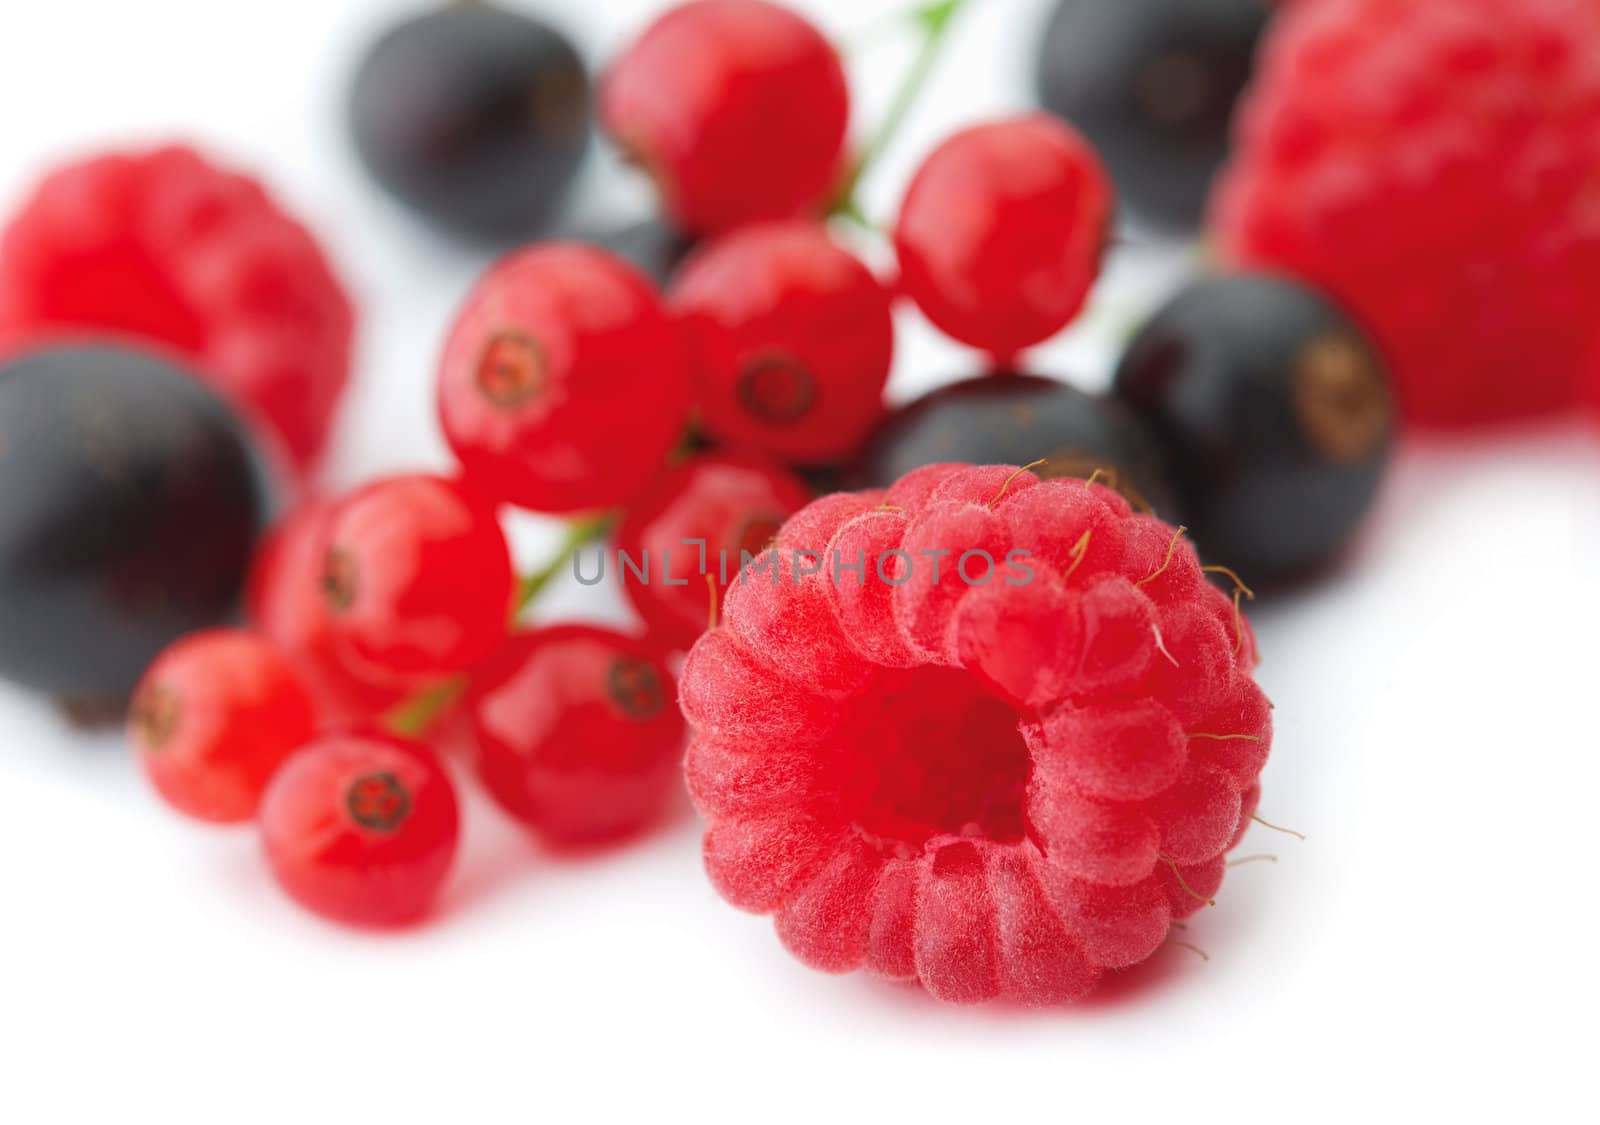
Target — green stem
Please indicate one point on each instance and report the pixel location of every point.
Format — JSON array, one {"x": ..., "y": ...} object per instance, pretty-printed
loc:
[
  {"x": 934, "y": 19},
  {"x": 413, "y": 717},
  {"x": 579, "y": 535}
]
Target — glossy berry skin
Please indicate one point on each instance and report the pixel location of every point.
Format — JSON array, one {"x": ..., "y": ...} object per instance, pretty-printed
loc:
[
  {"x": 130, "y": 500},
  {"x": 1016, "y": 419},
  {"x": 361, "y": 828},
  {"x": 563, "y": 383},
  {"x": 790, "y": 338},
  {"x": 475, "y": 116},
  {"x": 1153, "y": 84},
  {"x": 731, "y": 503},
  {"x": 1278, "y": 416},
  {"x": 284, "y": 603},
  {"x": 1002, "y": 230},
  {"x": 736, "y": 108},
  {"x": 416, "y": 578},
  {"x": 577, "y": 732},
  {"x": 166, "y": 247},
  {"x": 214, "y": 718}
]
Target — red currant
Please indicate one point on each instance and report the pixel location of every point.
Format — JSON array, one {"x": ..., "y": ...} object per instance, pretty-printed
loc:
[
  {"x": 577, "y": 731},
  {"x": 284, "y": 603},
  {"x": 361, "y": 828},
  {"x": 791, "y": 339},
  {"x": 214, "y": 718},
  {"x": 1002, "y": 230},
  {"x": 737, "y": 108},
  {"x": 729, "y": 504},
  {"x": 416, "y": 578},
  {"x": 563, "y": 384}
]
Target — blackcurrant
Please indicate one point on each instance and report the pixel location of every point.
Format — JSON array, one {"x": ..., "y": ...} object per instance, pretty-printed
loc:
[
  {"x": 1015, "y": 419},
  {"x": 130, "y": 500},
  {"x": 476, "y": 117},
  {"x": 1276, "y": 412},
  {"x": 1153, "y": 84}
]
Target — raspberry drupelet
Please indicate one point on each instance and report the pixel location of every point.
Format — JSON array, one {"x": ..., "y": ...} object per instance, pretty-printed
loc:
[{"x": 1001, "y": 781}]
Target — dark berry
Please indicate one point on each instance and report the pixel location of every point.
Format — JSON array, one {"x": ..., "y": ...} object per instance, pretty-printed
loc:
[
  {"x": 564, "y": 382},
  {"x": 1002, "y": 230},
  {"x": 130, "y": 501},
  {"x": 790, "y": 338},
  {"x": 1010, "y": 419},
  {"x": 577, "y": 731},
  {"x": 475, "y": 116},
  {"x": 214, "y": 718},
  {"x": 416, "y": 578},
  {"x": 695, "y": 520},
  {"x": 1152, "y": 83},
  {"x": 1276, "y": 412},
  {"x": 361, "y": 829},
  {"x": 736, "y": 108}
]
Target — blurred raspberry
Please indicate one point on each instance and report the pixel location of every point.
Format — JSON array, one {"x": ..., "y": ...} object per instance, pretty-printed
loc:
[
  {"x": 1431, "y": 167},
  {"x": 166, "y": 246}
]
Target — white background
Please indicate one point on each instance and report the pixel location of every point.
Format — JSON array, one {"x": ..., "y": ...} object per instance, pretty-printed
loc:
[{"x": 1429, "y": 948}]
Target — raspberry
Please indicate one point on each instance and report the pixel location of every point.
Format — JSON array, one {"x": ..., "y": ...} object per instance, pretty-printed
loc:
[
  {"x": 165, "y": 246},
  {"x": 416, "y": 578},
  {"x": 1001, "y": 232},
  {"x": 790, "y": 338},
  {"x": 214, "y": 717},
  {"x": 1000, "y": 788},
  {"x": 575, "y": 732},
  {"x": 563, "y": 383},
  {"x": 283, "y": 601},
  {"x": 361, "y": 829},
  {"x": 1430, "y": 167},
  {"x": 737, "y": 108},
  {"x": 720, "y": 505}
]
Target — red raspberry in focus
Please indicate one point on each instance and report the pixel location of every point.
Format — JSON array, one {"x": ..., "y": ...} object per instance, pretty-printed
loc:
[
  {"x": 1431, "y": 168},
  {"x": 1002, "y": 230},
  {"x": 214, "y": 718},
  {"x": 416, "y": 578},
  {"x": 165, "y": 246},
  {"x": 732, "y": 505},
  {"x": 576, "y": 732},
  {"x": 996, "y": 787},
  {"x": 790, "y": 338},
  {"x": 361, "y": 829},
  {"x": 737, "y": 108},
  {"x": 284, "y": 602},
  {"x": 563, "y": 384}
]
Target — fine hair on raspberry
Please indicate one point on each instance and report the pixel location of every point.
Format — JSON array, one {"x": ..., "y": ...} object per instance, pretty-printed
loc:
[{"x": 996, "y": 786}]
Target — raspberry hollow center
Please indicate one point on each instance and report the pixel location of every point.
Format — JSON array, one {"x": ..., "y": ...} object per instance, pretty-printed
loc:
[{"x": 941, "y": 756}]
